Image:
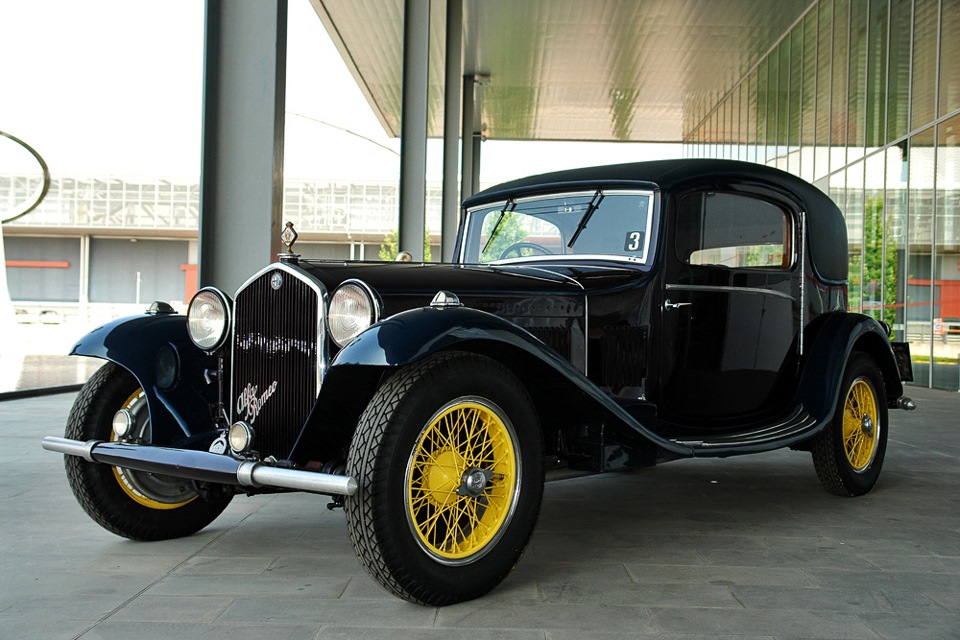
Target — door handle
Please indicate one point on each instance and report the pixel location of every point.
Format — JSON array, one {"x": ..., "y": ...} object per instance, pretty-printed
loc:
[{"x": 675, "y": 305}]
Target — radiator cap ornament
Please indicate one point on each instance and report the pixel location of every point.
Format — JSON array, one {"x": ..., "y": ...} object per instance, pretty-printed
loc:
[{"x": 288, "y": 237}]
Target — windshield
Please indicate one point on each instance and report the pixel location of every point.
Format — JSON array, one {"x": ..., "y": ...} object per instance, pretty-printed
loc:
[{"x": 607, "y": 224}]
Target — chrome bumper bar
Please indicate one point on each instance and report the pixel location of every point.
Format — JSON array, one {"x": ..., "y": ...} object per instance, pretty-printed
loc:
[{"x": 202, "y": 466}]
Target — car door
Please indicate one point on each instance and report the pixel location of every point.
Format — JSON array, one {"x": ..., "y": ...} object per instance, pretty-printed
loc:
[{"x": 730, "y": 311}]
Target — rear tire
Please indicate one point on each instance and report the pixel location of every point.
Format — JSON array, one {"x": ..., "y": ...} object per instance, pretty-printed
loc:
[
  {"x": 449, "y": 460},
  {"x": 132, "y": 504},
  {"x": 849, "y": 453}
]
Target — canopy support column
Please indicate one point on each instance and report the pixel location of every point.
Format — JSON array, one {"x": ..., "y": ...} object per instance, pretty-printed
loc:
[{"x": 241, "y": 172}]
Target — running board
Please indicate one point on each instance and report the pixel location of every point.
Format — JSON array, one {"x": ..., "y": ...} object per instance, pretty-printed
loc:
[{"x": 770, "y": 436}]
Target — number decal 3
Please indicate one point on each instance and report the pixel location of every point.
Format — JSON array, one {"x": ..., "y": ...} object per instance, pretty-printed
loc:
[{"x": 634, "y": 241}]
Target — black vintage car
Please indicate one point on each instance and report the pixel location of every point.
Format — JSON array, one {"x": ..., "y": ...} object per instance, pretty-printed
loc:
[{"x": 595, "y": 319}]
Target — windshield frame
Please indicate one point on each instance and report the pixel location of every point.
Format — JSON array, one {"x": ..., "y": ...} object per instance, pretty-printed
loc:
[{"x": 515, "y": 203}]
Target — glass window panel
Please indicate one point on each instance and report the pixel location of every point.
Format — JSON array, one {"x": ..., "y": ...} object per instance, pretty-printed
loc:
[
  {"x": 752, "y": 117},
  {"x": 895, "y": 227},
  {"x": 735, "y": 123},
  {"x": 946, "y": 262},
  {"x": 762, "y": 112},
  {"x": 898, "y": 81},
  {"x": 949, "y": 56},
  {"x": 853, "y": 214},
  {"x": 923, "y": 91},
  {"x": 795, "y": 89},
  {"x": 876, "y": 278},
  {"x": 919, "y": 314},
  {"x": 824, "y": 62},
  {"x": 745, "y": 132},
  {"x": 732, "y": 230},
  {"x": 773, "y": 75},
  {"x": 808, "y": 97},
  {"x": 856, "y": 103},
  {"x": 841, "y": 53},
  {"x": 783, "y": 103},
  {"x": 876, "y": 97}
]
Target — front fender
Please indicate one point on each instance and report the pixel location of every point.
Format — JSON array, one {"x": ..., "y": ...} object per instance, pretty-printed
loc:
[
  {"x": 157, "y": 351},
  {"x": 834, "y": 339},
  {"x": 412, "y": 335}
]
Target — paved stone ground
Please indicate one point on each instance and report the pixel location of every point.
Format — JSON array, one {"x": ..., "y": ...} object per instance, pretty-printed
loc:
[{"x": 743, "y": 548}]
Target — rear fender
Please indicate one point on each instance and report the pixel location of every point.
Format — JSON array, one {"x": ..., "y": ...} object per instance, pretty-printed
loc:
[
  {"x": 835, "y": 339},
  {"x": 157, "y": 351}
]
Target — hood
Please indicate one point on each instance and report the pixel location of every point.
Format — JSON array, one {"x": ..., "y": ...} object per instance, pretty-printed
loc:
[{"x": 393, "y": 280}]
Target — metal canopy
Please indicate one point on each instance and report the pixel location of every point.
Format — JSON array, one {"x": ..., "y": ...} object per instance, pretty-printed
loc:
[{"x": 603, "y": 70}]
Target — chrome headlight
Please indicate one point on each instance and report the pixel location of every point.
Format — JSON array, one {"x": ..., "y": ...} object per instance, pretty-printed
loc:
[
  {"x": 352, "y": 309},
  {"x": 208, "y": 319}
]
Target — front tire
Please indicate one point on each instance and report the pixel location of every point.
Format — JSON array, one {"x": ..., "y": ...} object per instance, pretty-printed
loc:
[
  {"x": 132, "y": 504},
  {"x": 849, "y": 453},
  {"x": 449, "y": 460}
]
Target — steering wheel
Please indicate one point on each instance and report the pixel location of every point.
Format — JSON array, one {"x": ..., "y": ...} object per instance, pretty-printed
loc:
[{"x": 522, "y": 249}]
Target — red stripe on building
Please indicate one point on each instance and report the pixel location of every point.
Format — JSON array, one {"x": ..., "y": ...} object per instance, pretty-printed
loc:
[{"x": 39, "y": 264}]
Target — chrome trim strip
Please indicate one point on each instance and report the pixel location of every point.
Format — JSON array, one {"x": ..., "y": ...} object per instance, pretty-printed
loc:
[
  {"x": 803, "y": 277},
  {"x": 729, "y": 289}
]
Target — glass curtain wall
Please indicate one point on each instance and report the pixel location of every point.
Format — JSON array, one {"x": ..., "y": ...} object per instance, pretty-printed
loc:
[{"x": 862, "y": 98}]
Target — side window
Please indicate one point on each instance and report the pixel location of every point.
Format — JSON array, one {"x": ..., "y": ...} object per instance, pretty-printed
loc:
[{"x": 733, "y": 230}]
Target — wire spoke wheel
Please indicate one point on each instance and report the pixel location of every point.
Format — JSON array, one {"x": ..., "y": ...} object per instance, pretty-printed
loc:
[
  {"x": 448, "y": 458},
  {"x": 849, "y": 452},
  {"x": 860, "y": 424},
  {"x": 462, "y": 480}
]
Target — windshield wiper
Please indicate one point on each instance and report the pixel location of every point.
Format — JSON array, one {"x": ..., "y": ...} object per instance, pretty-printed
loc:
[
  {"x": 507, "y": 208},
  {"x": 594, "y": 204}
]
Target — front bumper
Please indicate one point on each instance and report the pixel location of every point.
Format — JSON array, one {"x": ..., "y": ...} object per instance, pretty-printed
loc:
[{"x": 202, "y": 466}]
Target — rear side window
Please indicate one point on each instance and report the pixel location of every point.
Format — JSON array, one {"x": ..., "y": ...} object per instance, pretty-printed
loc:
[{"x": 733, "y": 230}]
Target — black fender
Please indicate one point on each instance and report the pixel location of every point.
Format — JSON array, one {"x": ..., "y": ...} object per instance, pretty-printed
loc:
[
  {"x": 834, "y": 337},
  {"x": 411, "y": 335},
  {"x": 157, "y": 351}
]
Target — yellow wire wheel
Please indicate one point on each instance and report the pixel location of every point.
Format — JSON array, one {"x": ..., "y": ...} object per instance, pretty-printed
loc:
[
  {"x": 131, "y": 483},
  {"x": 462, "y": 480},
  {"x": 848, "y": 453},
  {"x": 448, "y": 458},
  {"x": 861, "y": 425}
]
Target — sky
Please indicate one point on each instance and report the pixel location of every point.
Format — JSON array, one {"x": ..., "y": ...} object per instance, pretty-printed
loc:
[{"x": 114, "y": 87}]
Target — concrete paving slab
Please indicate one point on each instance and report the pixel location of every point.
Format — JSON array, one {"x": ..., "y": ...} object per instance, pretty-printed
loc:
[{"x": 748, "y": 548}]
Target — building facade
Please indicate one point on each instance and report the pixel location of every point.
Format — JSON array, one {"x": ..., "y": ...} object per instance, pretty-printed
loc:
[
  {"x": 862, "y": 98},
  {"x": 101, "y": 247}
]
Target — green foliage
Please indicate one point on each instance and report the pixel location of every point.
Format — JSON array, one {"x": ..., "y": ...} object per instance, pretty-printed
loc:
[
  {"x": 388, "y": 248},
  {"x": 509, "y": 232},
  {"x": 878, "y": 290}
]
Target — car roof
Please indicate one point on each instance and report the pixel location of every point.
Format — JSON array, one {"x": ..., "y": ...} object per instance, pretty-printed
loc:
[{"x": 826, "y": 228}]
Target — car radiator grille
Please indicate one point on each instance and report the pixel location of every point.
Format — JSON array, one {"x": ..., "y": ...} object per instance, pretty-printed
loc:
[{"x": 275, "y": 359}]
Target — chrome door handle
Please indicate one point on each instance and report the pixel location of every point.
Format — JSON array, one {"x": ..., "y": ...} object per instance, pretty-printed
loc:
[{"x": 675, "y": 305}]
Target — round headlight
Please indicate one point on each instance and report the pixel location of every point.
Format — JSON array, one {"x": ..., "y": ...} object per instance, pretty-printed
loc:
[
  {"x": 352, "y": 310},
  {"x": 208, "y": 319}
]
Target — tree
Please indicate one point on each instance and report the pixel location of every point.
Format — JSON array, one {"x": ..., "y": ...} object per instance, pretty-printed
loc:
[
  {"x": 388, "y": 248},
  {"x": 878, "y": 290},
  {"x": 509, "y": 232}
]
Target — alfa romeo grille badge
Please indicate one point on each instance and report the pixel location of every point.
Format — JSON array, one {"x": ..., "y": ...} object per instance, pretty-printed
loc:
[{"x": 276, "y": 280}]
